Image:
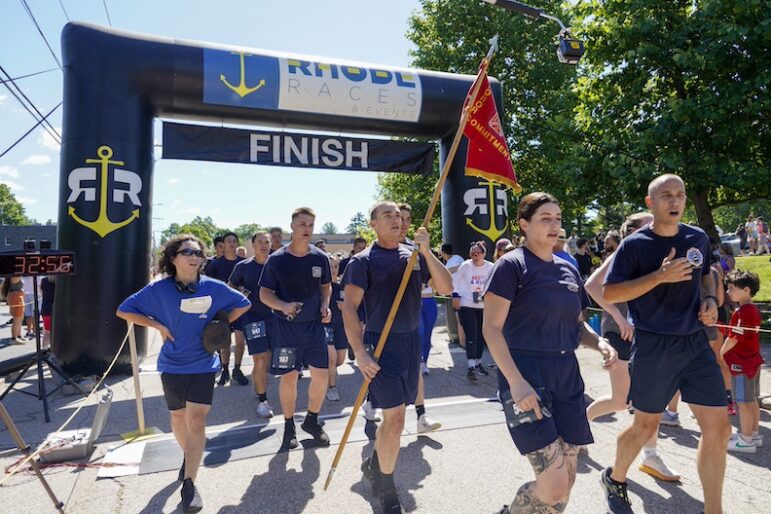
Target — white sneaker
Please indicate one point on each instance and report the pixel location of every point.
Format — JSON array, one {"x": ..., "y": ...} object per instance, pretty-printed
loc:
[
  {"x": 424, "y": 369},
  {"x": 739, "y": 445},
  {"x": 426, "y": 424},
  {"x": 758, "y": 440},
  {"x": 656, "y": 468},
  {"x": 19, "y": 340},
  {"x": 264, "y": 410},
  {"x": 333, "y": 395},
  {"x": 370, "y": 413}
]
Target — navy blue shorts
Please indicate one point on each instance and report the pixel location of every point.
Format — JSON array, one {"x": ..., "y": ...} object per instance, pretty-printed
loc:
[
  {"x": 622, "y": 347},
  {"x": 307, "y": 340},
  {"x": 397, "y": 381},
  {"x": 561, "y": 377},
  {"x": 257, "y": 334},
  {"x": 335, "y": 336},
  {"x": 661, "y": 365}
]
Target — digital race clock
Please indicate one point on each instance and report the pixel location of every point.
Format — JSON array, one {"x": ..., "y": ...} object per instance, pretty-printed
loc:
[{"x": 46, "y": 262}]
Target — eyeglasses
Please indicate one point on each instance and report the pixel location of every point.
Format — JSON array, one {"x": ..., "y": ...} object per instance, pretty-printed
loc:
[
  {"x": 475, "y": 254},
  {"x": 189, "y": 252}
]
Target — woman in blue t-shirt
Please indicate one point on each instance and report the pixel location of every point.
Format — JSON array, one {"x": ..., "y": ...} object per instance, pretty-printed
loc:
[
  {"x": 533, "y": 322},
  {"x": 179, "y": 307}
]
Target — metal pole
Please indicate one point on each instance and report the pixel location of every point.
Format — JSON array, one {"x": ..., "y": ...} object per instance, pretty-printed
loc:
[{"x": 137, "y": 387}]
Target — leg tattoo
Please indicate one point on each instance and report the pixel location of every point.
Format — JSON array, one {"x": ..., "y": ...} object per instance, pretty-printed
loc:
[
  {"x": 570, "y": 458},
  {"x": 526, "y": 502},
  {"x": 545, "y": 457}
]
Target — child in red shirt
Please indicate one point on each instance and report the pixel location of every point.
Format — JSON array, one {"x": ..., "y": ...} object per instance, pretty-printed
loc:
[{"x": 741, "y": 352}]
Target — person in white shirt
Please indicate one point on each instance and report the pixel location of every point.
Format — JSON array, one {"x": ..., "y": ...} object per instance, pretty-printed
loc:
[
  {"x": 452, "y": 262},
  {"x": 468, "y": 285}
]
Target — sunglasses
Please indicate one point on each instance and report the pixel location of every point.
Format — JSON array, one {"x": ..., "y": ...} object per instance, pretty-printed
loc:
[{"x": 189, "y": 252}]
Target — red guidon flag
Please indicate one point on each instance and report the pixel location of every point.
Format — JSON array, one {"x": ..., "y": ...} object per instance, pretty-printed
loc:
[{"x": 488, "y": 155}]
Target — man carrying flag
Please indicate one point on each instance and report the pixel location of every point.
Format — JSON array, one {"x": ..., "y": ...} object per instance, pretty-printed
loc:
[{"x": 384, "y": 274}]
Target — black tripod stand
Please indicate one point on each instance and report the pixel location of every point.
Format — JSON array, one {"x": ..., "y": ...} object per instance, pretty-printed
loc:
[{"x": 41, "y": 356}]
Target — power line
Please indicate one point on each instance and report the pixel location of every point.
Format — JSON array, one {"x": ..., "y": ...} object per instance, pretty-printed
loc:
[
  {"x": 65, "y": 10},
  {"x": 34, "y": 21},
  {"x": 51, "y": 130},
  {"x": 109, "y": 21},
  {"x": 30, "y": 130},
  {"x": 2, "y": 81}
]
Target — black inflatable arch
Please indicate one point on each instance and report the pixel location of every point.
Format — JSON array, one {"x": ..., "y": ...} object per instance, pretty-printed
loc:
[{"x": 116, "y": 83}]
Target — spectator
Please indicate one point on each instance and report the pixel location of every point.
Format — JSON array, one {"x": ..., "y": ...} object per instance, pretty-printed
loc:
[
  {"x": 742, "y": 233},
  {"x": 452, "y": 262},
  {"x": 47, "y": 288},
  {"x": 752, "y": 234},
  {"x": 762, "y": 236},
  {"x": 583, "y": 258},
  {"x": 571, "y": 243},
  {"x": 559, "y": 249},
  {"x": 13, "y": 292}
]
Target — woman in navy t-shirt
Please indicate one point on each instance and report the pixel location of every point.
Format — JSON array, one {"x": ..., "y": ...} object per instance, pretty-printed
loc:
[
  {"x": 533, "y": 322},
  {"x": 179, "y": 307}
]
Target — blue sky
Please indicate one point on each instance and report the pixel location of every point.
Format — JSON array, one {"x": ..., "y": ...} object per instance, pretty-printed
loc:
[{"x": 232, "y": 194}]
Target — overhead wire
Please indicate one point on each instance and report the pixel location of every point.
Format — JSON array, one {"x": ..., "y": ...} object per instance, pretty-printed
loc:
[
  {"x": 2, "y": 81},
  {"x": 64, "y": 10},
  {"x": 107, "y": 12},
  {"x": 50, "y": 128},
  {"x": 30, "y": 130},
  {"x": 40, "y": 31}
]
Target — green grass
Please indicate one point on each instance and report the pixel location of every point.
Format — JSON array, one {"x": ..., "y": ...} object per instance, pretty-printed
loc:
[{"x": 760, "y": 265}]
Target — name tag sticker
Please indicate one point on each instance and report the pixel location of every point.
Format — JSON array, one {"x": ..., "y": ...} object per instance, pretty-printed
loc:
[
  {"x": 316, "y": 271},
  {"x": 199, "y": 305}
]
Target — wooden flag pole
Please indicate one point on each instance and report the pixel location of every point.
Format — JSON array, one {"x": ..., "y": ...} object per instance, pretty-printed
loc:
[{"x": 411, "y": 262}]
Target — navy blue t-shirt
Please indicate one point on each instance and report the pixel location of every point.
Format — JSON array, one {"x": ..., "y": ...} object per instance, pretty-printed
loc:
[
  {"x": 343, "y": 264},
  {"x": 221, "y": 268},
  {"x": 378, "y": 271},
  {"x": 246, "y": 274},
  {"x": 670, "y": 309},
  {"x": 298, "y": 279},
  {"x": 546, "y": 301},
  {"x": 338, "y": 295},
  {"x": 184, "y": 314}
]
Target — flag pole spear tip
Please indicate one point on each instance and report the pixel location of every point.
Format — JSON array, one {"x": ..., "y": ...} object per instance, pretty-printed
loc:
[{"x": 493, "y": 46}]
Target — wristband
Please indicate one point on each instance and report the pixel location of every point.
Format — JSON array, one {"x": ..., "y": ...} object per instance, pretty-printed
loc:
[{"x": 713, "y": 297}]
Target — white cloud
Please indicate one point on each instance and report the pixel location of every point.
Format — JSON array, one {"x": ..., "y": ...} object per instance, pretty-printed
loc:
[
  {"x": 8, "y": 171},
  {"x": 3, "y": 98},
  {"x": 25, "y": 200},
  {"x": 34, "y": 160},
  {"x": 14, "y": 186},
  {"x": 48, "y": 142},
  {"x": 173, "y": 181}
]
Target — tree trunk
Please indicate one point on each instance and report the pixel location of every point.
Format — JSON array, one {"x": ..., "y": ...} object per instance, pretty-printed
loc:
[{"x": 704, "y": 215}]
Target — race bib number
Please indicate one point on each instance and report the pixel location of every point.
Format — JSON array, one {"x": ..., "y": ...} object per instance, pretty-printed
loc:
[
  {"x": 200, "y": 305},
  {"x": 477, "y": 296},
  {"x": 284, "y": 358},
  {"x": 255, "y": 330}
]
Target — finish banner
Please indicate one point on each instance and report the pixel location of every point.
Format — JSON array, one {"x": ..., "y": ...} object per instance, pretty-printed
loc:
[{"x": 296, "y": 150}]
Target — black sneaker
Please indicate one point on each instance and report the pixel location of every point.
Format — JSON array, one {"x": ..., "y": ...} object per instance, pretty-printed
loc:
[
  {"x": 453, "y": 344},
  {"x": 371, "y": 474},
  {"x": 290, "y": 438},
  {"x": 481, "y": 370},
  {"x": 471, "y": 375},
  {"x": 504, "y": 510},
  {"x": 181, "y": 476},
  {"x": 316, "y": 431},
  {"x": 191, "y": 500},
  {"x": 224, "y": 377},
  {"x": 389, "y": 499},
  {"x": 239, "y": 377},
  {"x": 615, "y": 494}
]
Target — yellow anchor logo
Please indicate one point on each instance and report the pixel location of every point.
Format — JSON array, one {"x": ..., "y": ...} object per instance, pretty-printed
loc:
[
  {"x": 102, "y": 224},
  {"x": 241, "y": 89},
  {"x": 492, "y": 232}
]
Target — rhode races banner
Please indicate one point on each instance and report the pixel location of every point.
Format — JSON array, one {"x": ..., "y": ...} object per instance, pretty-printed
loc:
[{"x": 297, "y": 150}]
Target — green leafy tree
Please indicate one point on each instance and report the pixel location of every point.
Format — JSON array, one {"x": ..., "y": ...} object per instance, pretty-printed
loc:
[
  {"x": 358, "y": 222},
  {"x": 11, "y": 211},
  {"x": 677, "y": 86},
  {"x": 415, "y": 190},
  {"x": 538, "y": 101},
  {"x": 329, "y": 228},
  {"x": 203, "y": 228},
  {"x": 246, "y": 231}
]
